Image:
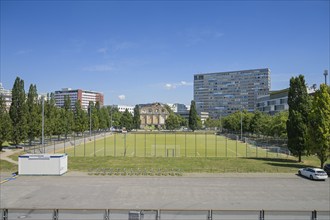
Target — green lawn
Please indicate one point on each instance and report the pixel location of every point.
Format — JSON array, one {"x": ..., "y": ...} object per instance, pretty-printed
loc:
[
  {"x": 167, "y": 145},
  {"x": 7, "y": 167},
  {"x": 187, "y": 165}
]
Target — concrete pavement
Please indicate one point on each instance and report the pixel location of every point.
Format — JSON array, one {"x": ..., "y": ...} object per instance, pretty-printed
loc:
[{"x": 220, "y": 191}]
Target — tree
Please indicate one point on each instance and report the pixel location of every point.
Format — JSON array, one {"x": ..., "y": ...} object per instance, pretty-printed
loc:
[
  {"x": 5, "y": 125},
  {"x": 319, "y": 124},
  {"x": 34, "y": 116},
  {"x": 115, "y": 116},
  {"x": 299, "y": 106},
  {"x": 18, "y": 112},
  {"x": 95, "y": 116},
  {"x": 50, "y": 114},
  {"x": 126, "y": 120},
  {"x": 59, "y": 122},
  {"x": 260, "y": 123},
  {"x": 172, "y": 122},
  {"x": 104, "y": 118},
  {"x": 232, "y": 122},
  {"x": 67, "y": 117},
  {"x": 136, "y": 118},
  {"x": 80, "y": 118},
  {"x": 194, "y": 120},
  {"x": 278, "y": 124}
]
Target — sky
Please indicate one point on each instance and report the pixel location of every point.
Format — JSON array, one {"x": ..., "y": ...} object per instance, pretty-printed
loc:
[{"x": 137, "y": 52}]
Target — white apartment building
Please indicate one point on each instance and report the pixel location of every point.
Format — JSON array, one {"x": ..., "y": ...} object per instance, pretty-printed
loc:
[
  {"x": 78, "y": 94},
  {"x": 7, "y": 95},
  {"x": 122, "y": 108}
]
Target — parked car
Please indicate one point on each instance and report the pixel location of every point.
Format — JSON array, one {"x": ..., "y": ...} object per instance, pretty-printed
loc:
[
  {"x": 313, "y": 173},
  {"x": 327, "y": 168}
]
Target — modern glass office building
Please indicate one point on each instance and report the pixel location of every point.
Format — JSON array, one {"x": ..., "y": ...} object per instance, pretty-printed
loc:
[{"x": 223, "y": 93}]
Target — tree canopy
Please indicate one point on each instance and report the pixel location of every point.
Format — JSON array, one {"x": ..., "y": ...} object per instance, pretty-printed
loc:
[{"x": 297, "y": 123}]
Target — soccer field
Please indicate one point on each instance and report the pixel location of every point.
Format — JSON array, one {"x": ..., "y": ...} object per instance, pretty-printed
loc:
[{"x": 167, "y": 145}]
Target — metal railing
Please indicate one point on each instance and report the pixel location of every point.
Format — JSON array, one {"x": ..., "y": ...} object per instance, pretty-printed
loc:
[{"x": 160, "y": 214}]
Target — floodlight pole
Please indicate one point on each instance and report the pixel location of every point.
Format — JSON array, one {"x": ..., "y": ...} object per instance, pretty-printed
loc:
[
  {"x": 325, "y": 76},
  {"x": 241, "y": 125},
  {"x": 43, "y": 123},
  {"x": 90, "y": 120}
]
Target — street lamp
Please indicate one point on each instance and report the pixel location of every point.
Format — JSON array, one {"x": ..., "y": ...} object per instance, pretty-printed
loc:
[{"x": 325, "y": 76}]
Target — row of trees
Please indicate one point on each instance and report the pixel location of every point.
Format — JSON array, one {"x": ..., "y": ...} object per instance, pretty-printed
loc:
[
  {"x": 308, "y": 124},
  {"x": 23, "y": 121},
  {"x": 255, "y": 123}
]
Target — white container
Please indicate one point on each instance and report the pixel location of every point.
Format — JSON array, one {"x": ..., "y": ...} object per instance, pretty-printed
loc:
[{"x": 42, "y": 164}]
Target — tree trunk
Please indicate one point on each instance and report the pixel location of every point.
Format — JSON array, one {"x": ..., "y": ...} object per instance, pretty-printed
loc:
[
  {"x": 322, "y": 163},
  {"x": 299, "y": 156}
]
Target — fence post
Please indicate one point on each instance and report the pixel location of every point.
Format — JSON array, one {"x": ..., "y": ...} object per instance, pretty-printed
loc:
[
  {"x": 84, "y": 145},
  {"x": 314, "y": 215},
  {"x": 262, "y": 215},
  {"x": 114, "y": 146},
  {"x": 209, "y": 215},
  {"x": 165, "y": 146},
  {"x": 216, "y": 145},
  {"x": 246, "y": 146},
  {"x": 55, "y": 214},
  {"x": 195, "y": 146},
  {"x": 135, "y": 145},
  {"x": 5, "y": 214},
  {"x": 205, "y": 144},
  {"x": 106, "y": 214},
  {"x": 226, "y": 147},
  {"x": 145, "y": 144},
  {"x": 105, "y": 152},
  {"x": 155, "y": 145},
  {"x": 94, "y": 145},
  {"x": 175, "y": 142},
  {"x": 236, "y": 144},
  {"x": 185, "y": 144},
  {"x": 158, "y": 214}
]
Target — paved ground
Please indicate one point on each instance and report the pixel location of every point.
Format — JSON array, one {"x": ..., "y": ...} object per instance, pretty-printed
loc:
[{"x": 221, "y": 191}]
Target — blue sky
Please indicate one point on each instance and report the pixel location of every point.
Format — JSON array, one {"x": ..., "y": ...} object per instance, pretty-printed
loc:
[{"x": 146, "y": 51}]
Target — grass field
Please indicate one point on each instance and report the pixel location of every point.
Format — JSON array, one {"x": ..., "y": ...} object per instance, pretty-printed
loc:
[{"x": 167, "y": 145}]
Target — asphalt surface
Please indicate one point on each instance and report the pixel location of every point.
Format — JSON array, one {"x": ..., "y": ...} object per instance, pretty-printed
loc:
[{"x": 219, "y": 192}]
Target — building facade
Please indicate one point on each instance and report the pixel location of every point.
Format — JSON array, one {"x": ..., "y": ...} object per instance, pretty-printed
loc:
[
  {"x": 6, "y": 94},
  {"x": 180, "y": 109},
  {"x": 153, "y": 114},
  {"x": 78, "y": 94},
  {"x": 223, "y": 93},
  {"x": 122, "y": 108},
  {"x": 276, "y": 101}
]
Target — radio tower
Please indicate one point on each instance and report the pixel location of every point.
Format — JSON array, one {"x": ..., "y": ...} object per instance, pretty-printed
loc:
[{"x": 325, "y": 76}]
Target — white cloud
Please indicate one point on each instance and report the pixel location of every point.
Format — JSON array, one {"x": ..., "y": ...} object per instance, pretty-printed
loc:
[
  {"x": 170, "y": 86},
  {"x": 121, "y": 97},
  {"x": 99, "y": 68}
]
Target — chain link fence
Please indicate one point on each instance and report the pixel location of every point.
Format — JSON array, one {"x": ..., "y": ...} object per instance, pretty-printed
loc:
[{"x": 162, "y": 144}]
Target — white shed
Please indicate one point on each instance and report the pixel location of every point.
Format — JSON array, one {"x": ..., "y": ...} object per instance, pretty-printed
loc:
[{"x": 42, "y": 164}]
